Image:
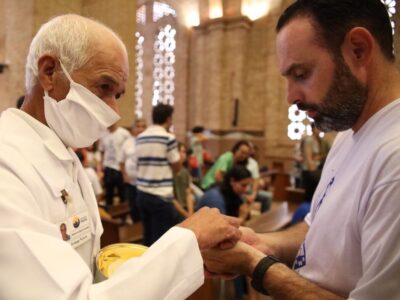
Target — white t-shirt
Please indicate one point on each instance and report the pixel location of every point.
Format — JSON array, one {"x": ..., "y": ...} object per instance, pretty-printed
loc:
[
  {"x": 128, "y": 156},
  {"x": 93, "y": 159},
  {"x": 353, "y": 247},
  {"x": 111, "y": 145},
  {"x": 252, "y": 166},
  {"x": 94, "y": 180}
]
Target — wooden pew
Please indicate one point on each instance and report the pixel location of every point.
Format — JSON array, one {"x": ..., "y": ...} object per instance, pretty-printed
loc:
[
  {"x": 295, "y": 195},
  {"x": 120, "y": 210},
  {"x": 117, "y": 232},
  {"x": 276, "y": 218},
  {"x": 208, "y": 291},
  {"x": 280, "y": 181}
]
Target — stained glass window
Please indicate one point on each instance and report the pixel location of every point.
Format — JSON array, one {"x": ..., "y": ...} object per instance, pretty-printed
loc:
[
  {"x": 391, "y": 7},
  {"x": 162, "y": 10},
  {"x": 139, "y": 75},
  {"x": 141, "y": 15},
  {"x": 159, "y": 70},
  {"x": 163, "y": 62}
]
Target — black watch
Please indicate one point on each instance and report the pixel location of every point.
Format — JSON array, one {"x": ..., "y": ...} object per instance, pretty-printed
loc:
[{"x": 259, "y": 272}]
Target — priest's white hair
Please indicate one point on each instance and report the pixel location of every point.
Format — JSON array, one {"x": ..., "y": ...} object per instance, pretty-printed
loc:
[{"x": 70, "y": 37}]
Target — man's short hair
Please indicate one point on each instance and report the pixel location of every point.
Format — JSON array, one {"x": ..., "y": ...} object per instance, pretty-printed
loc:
[
  {"x": 161, "y": 113},
  {"x": 237, "y": 146},
  {"x": 332, "y": 19},
  {"x": 197, "y": 129}
]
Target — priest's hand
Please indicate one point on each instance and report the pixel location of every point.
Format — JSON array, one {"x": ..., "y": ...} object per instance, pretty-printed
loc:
[{"x": 213, "y": 229}]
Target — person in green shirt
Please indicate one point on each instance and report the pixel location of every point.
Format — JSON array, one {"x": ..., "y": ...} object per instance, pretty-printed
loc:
[{"x": 240, "y": 152}]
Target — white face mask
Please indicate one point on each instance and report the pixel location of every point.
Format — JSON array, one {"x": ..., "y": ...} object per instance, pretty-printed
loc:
[{"x": 81, "y": 118}]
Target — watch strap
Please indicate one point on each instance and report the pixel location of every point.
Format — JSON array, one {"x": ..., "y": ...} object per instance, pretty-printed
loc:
[{"x": 259, "y": 272}]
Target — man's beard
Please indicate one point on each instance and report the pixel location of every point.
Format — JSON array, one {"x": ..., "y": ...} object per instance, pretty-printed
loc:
[{"x": 342, "y": 105}]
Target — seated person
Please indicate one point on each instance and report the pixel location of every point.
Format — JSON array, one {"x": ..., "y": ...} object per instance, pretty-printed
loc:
[
  {"x": 183, "y": 198},
  {"x": 229, "y": 196},
  {"x": 239, "y": 154},
  {"x": 255, "y": 192},
  {"x": 197, "y": 150}
]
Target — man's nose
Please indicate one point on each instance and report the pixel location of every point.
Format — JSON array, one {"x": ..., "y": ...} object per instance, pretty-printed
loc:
[{"x": 294, "y": 94}]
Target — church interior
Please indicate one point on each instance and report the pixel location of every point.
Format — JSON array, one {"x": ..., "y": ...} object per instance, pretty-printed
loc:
[{"x": 214, "y": 61}]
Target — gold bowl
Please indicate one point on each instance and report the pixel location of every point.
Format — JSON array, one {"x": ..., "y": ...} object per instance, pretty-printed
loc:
[{"x": 112, "y": 256}]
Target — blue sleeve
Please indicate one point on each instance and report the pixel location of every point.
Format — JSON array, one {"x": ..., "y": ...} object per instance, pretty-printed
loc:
[{"x": 214, "y": 199}]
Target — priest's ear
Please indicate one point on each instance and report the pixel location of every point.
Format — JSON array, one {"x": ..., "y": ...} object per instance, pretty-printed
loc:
[{"x": 47, "y": 66}]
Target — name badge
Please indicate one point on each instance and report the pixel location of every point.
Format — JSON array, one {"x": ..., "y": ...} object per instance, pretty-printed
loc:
[{"x": 76, "y": 229}]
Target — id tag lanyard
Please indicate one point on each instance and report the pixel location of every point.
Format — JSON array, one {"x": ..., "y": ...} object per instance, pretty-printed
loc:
[
  {"x": 66, "y": 198},
  {"x": 76, "y": 227}
]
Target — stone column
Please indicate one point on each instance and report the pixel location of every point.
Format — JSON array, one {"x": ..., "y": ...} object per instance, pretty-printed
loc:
[
  {"x": 397, "y": 34},
  {"x": 119, "y": 15},
  {"x": 213, "y": 70},
  {"x": 196, "y": 79},
  {"x": 218, "y": 59},
  {"x": 235, "y": 61},
  {"x": 45, "y": 10},
  {"x": 232, "y": 8},
  {"x": 203, "y": 11},
  {"x": 18, "y": 18},
  {"x": 2, "y": 51},
  {"x": 206, "y": 74},
  {"x": 2, "y": 31}
]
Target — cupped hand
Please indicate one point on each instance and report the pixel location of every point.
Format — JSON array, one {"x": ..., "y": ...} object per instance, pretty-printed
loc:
[
  {"x": 213, "y": 229},
  {"x": 241, "y": 259}
]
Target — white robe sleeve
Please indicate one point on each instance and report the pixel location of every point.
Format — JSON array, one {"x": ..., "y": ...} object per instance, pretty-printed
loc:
[
  {"x": 171, "y": 269},
  {"x": 37, "y": 264}
]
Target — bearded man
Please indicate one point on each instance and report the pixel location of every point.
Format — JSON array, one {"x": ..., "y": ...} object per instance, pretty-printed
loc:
[{"x": 337, "y": 57}]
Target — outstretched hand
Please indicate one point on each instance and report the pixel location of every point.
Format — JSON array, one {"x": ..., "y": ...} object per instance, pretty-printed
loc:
[
  {"x": 241, "y": 259},
  {"x": 213, "y": 229}
]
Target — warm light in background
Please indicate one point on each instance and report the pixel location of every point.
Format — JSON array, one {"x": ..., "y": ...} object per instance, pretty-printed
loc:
[
  {"x": 255, "y": 9},
  {"x": 215, "y": 9},
  {"x": 192, "y": 17}
]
